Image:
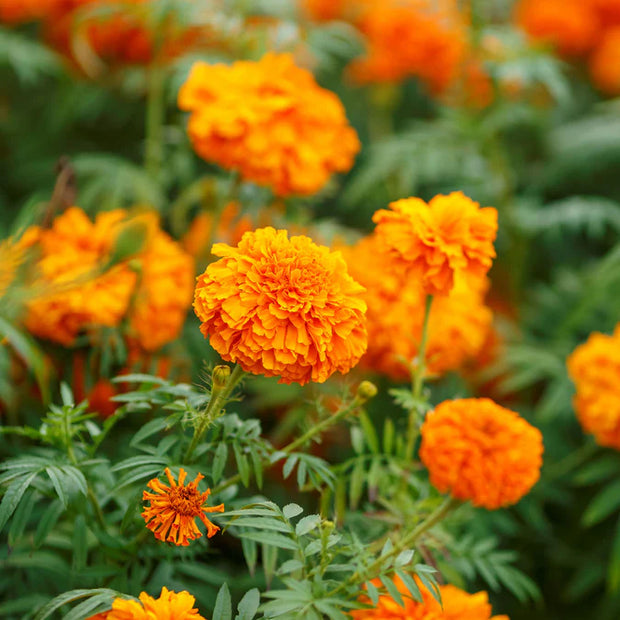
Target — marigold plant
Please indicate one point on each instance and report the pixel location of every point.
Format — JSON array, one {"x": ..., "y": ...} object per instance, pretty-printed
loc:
[
  {"x": 594, "y": 367},
  {"x": 477, "y": 450},
  {"x": 282, "y": 307},
  {"x": 270, "y": 121},
  {"x": 433, "y": 241},
  {"x": 173, "y": 509},
  {"x": 456, "y": 604},
  {"x": 169, "y": 606}
]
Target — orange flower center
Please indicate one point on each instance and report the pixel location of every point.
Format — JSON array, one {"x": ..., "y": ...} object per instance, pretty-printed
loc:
[{"x": 186, "y": 501}]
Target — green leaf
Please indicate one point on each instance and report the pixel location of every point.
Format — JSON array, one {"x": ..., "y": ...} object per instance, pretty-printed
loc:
[
  {"x": 307, "y": 524},
  {"x": 80, "y": 549},
  {"x": 263, "y": 523},
  {"x": 289, "y": 466},
  {"x": 13, "y": 496},
  {"x": 223, "y": 605},
  {"x": 290, "y": 566},
  {"x": 243, "y": 465},
  {"x": 292, "y": 510},
  {"x": 270, "y": 538},
  {"x": 392, "y": 590},
  {"x": 370, "y": 433},
  {"x": 69, "y": 597},
  {"x": 250, "y": 553},
  {"x": 613, "y": 570},
  {"x": 410, "y": 584},
  {"x": 55, "y": 476},
  {"x": 388, "y": 436},
  {"x": 47, "y": 522},
  {"x": 603, "y": 504},
  {"x": 219, "y": 461},
  {"x": 373, "y": 593},
  {"x": 248, "y": 605},
  {"x": 150, "y": 428},
  {"x": 356, "y": 485},
  {"x": 22, "y": 516}
]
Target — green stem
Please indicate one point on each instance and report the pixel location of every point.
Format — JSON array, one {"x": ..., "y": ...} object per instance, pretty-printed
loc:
[
  {"x": 216, "y": 403},
  {"x": 155, "y": 112},
  {"x": 357, "y": 402},
  {"x": 371, "y": 571},
  {"x": 417, "y": 382}
]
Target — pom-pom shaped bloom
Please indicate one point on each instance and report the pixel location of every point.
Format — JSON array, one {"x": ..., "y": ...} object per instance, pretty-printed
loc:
[
  {"x": 605, "y": 63},
  {"x": 270, "y": 121},
  {"x": 458, "y": 325},
  {"x": 594, "y": 367},
  {"x": 173, "y": 509},
  {"x": 476, "y": 450},
  {"x": 569, "y": 25},
  {"x": 86, "y": 280},
  {"x": 456, "y": 605},
  {"x": 282, "y": 307},
  {"x": 169, "y": 606},
  {"x": 412, "y": 38},
  {"x": 432, "y": 242}
]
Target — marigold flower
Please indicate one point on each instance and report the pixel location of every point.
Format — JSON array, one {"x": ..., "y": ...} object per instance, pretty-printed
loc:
[
  {"x": 282, "y": 307},
  {"x": 18, "y": 11},
  {"x": 605, "y": 62},
  {"x": 173, "y": 509},
  {"x": 451, "y": 234},
  {"x": 76, "y": 288},
  {"x": 412, "y": 38},
  {"x": 594, "y": 367},
  {"x": 457, "y": 605},
  {"x": 169, "y": 606},
  {"x": 571, "y": 26},
  {"x": 458, "y": 324},
  {"x": 270, "y": 121},
  {"x": 476, "y": 450}
]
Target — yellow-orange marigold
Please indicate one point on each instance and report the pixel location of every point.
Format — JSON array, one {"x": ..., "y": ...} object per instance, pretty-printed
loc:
[
  {"x": 436, "y": 240},
  {"x": 173, "y": 509},
  {"x": 456, "y": 605},
  {"x": 169, "y": 606},
  {"x": 477, "y": 450},
  {"x": 270, "y": 121},
  {"x": 458, "y": 325},
  {"x": 594, "y": 367},
  {"x": 604, "y": 62},
  {"x": 282, "y": 307},
  {"x": 572, "y": 26},
  {"x": 412, "y": 38}
]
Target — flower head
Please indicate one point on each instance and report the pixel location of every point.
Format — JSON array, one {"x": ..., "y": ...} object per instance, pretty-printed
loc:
[
  {"x": 476, "y": 450},
  {"x": 456, "y": 605},
  {"x": 594, "y": 367},
  {"x": 270, "y": 121},
  {"x": 433, "y": 242},
  {"x": 173, "y": 509},
  {"x": 169, "y": 606},
  {"x": 458, "y": 325},
  {"x": 605, "y": 62},
  {"x": 282, "y": 307}
]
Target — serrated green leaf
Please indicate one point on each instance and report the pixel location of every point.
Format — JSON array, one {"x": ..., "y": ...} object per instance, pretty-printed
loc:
[
  {"x": 47, "y": 522},
  {"x": 12, "y": 497},
  {"x": 292, "y": 510},
  {"x": 307, "y": 524}
]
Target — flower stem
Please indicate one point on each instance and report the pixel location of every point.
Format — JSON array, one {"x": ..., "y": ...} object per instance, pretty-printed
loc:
[
  {"x": 155, "y": 112},
  {"x": 218, "y": 399},
  {"x": 417, "y": 382}
]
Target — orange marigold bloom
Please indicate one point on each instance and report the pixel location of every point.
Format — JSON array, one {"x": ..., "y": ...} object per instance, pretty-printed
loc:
[
  {"x": 451, "y": 234},
  {"x": 457, "y": 605},
  {"x": 605, "y": 62},
  {"x": 594, "y": 367},
  {"x": 18, "y": 11},
  {"x": 476, "y": 450},
  {"x": 458, "y": 325},
  {"x": 169, "y": 606},
  {"x": 571, "y": 26},
  {"x": 282, "y": 307},
  {"x": 173, "y": 509},
  {"x": 412, "y": 38},
  {"x": 270, "y": 121}
]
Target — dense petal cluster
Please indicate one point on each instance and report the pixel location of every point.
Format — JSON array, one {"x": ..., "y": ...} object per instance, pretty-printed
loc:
[
  {"x": 81, "y": 286},
  {"x": 173, "y": 509},
  {"x": 270, "y": 121},
  {"x": 456, "y": 605},
  {"x": 169, "y": 606},
  {"x": 594, "y": 367},
  {"x": 282, "y": 307},
  {"x": 458, "y": 325},
  {"x": 412, "y": 38},
  {"x": 477, "y": 450},
  {"x": 436, "y": 240}
]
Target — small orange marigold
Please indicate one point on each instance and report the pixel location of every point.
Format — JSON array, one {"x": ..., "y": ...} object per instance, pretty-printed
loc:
[
  {"x": 457, "y": 605},
  {"x": 282, "y": 307},
  {"x": 594, "y": 367},
  {"x": 270, "y": 121},
  {"x": 169, "y": 606},
  {"x": 434, "y": 241},
  {"x": 173, "y": 509},
  {"x": 477, "y": 450}
]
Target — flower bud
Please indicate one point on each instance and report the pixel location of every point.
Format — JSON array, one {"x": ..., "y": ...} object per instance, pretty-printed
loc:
[
  {"x": 366, "y": 390},
  {"x": 220, "y": 377}
]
